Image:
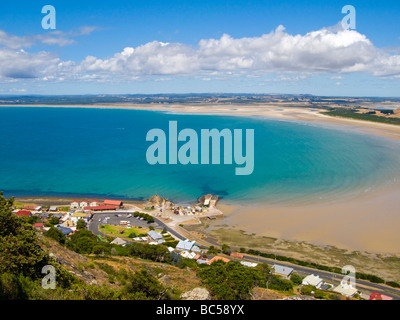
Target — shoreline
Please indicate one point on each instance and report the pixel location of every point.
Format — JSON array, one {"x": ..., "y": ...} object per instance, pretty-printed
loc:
[
  {"x": 272, "y": 111},
  {"x": 366, "y": 222}
]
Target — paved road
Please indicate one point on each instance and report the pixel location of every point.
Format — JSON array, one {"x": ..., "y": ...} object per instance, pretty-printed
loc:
[
  {"x": 325, "y": 275},
  {"x": 331, "y": 277}
]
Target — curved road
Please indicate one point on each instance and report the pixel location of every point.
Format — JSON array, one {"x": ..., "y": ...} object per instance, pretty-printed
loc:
[{"x": 325, "y": 275}]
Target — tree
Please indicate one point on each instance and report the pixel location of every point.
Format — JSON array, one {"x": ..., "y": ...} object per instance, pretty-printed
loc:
[
  {"x": 229, "y": 281},
  {"x": 226, "y": 249},
  {"x": 296, "y": 279},
  {"x": 146, "y": 286},
  {"x": 54, "y": 221},
  {"x": 20, "y": 252},
  {"x": 80, "y": 224},
  {"x": 277, "y": 283},
  {"x": 82, "y": 241},
  {"x": 55, "y": 234},
  {"x": 212, "y": 250},
  {"x": 98, "y": 249}
]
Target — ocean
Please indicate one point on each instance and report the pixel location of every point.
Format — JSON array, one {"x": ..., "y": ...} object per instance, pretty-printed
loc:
[{"x": 85, "y": 152}]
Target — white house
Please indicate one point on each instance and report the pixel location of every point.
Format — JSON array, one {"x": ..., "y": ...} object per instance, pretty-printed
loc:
[
  {"x": 312, "y": 281},
  {"x": 119, "y": 241},
  {"x": 345, "y": 289},
  {"x": 94, "y": 203},
  {"x": 74, "y": 204},
  {"x": 83, "y": 204},
  {"x": 185, "y": 245},
  {"x": 248, "y": 264}
]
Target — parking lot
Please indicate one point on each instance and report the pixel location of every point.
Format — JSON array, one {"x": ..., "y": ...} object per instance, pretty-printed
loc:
[{"x": 115, "y": 218}]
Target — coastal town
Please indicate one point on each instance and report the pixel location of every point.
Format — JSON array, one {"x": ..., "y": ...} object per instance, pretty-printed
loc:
[{"x": 122, "y": 223}]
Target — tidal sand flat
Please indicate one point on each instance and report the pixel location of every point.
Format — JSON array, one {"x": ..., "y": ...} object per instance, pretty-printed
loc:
[{"x": 316, "y": 181}]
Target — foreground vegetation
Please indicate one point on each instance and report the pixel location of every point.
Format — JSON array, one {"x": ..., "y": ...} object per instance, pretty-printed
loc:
[{"x": 129, "y": 272}]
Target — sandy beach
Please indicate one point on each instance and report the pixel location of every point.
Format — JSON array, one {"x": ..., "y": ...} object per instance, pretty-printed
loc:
[{"x": 368, "y": 222}]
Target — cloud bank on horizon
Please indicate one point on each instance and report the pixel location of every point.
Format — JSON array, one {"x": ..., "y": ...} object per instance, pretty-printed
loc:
[{"x": 326, "y": 51}]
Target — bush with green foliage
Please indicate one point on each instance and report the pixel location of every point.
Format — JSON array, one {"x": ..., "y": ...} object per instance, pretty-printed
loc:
[
  {"x": 296, "y": 279},
  {"x": 56, "y": 235},
  {"x": 232, "y": 280},
  {"x": 146, "y": 251}
]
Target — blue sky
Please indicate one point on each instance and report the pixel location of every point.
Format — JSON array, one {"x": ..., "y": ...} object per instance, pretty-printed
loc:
[{"x": 200, "y": 46}]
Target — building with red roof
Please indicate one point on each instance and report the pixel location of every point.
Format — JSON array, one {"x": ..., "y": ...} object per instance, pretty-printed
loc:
[
  {"x": 113, "y": 203},
  {"x": 24, "y": 213},
  {"x": 100, "y": 208},
  {"x": 379, "y": 296},
  {"x": 218, "y": 258}
]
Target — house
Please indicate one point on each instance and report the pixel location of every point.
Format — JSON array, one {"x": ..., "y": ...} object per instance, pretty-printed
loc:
[
  {"x": 345, "y": 289},
  {"x": 154, "y": 235},
  {"x": 68, "y": 223},
  {"x": 216, "y": 258},
  {"x": 119, "y": 241},
  {"x": 196, "y": 249},
  {"x": 248, "y": 264},
  {"x": 188, "y": 255},
  {"x": 236, "y": 255},
  {"x": 116, "y": 203},
  {"x": 80, "y": 215},
  {"x": 29, "y": 207},
  {"x": 83, "y": 204},
  {"x": 312, "y": 280},
  {"x": 379, "y": 296},
  {"x": 24, "y": 213},
  {"x": 44, "y": 215},
  {"x": 100, "y": 208},
  {"x": 65, "y": 231},
  {"x": 185, "y": 245},
  {"x": 74, "y": 204},
  {"x": 94, "y": 203},
  {"x": 53, "y": 208},
  {"x": 38, "y": 226},
  {"x": 202, "y": 259},
  {"x": 282, "y": 271}
]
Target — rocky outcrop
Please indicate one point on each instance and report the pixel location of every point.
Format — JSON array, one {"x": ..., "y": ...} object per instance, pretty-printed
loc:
[
  {"x": 196, "y": 294},
  {"x": 208, "y": 200},
  {"x": 156, "y": 199}
]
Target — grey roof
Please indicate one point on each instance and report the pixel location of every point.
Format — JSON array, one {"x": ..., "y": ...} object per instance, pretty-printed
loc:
[
  {"x": 65, "y": 230},
  {"x": 196, "y": 249},
  {"x": 282, "y": 269},
  {"x": 155, "y": 235},
  {"x": 118, "y": 241},
  {"x": 185, "y": 245},
  {"x": 201, "y": 261}
]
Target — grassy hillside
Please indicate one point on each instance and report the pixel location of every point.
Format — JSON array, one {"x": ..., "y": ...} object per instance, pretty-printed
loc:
[{"x": 354, "y": 114}]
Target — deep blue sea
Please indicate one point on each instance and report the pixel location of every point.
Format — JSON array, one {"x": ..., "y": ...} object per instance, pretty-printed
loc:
[{"x": 102, "y": 153}]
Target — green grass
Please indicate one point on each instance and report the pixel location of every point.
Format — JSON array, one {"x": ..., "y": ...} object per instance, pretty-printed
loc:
[{"x": 114, "y": 231}]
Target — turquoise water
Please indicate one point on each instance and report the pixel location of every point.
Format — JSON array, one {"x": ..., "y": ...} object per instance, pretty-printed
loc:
[{"x": 102, "y": 153}]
